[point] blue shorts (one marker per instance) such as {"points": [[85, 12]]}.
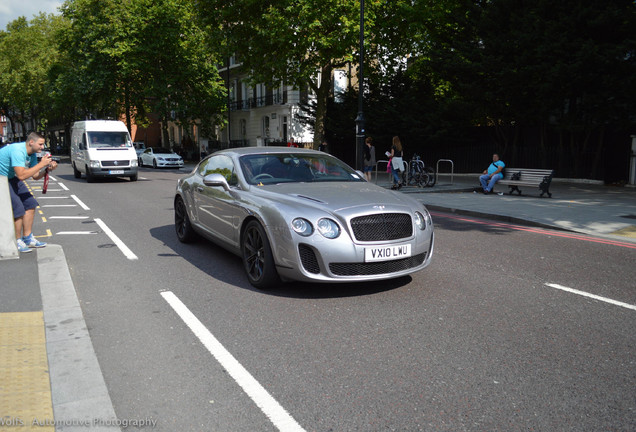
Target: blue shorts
{"points": [[21, 198], [368, 168]]}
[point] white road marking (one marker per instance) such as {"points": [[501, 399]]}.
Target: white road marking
{"points": [[52, 197], [59, 205], [63, 186], [77, 200], [120, 244], [75, 232], [68, 217], [593, 296], [281, 419]]}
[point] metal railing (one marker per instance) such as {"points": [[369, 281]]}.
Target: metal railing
{"points": [[406, 168], [452, 168], [261, 101]]}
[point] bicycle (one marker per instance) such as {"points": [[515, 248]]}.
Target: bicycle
{"points": [[419, 174]]}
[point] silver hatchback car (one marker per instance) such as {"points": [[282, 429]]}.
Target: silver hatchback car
{"points": [[298, 214]]}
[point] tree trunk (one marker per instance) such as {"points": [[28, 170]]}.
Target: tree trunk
{"points": [[127, 108], [599, 154], [164, 132], [322, 95]]}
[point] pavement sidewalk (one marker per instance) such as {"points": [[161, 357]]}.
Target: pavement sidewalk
{"points": [[576, 205], [49, 371]]}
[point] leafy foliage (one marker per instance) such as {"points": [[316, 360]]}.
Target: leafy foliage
{"points": [[27, 52], [299, 42]]}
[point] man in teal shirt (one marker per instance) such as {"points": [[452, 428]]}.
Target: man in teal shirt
{"points": [[492, 175], [19, 162]]}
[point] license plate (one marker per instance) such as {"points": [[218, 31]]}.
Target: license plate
{"points": [[116, 172], [387, 253]]}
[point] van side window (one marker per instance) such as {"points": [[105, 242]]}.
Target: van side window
{"points": [[83, 144]]}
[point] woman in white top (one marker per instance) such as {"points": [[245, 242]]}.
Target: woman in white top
{"points": [[397, 164]]}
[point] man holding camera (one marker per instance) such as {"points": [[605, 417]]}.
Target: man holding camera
{"points": [[19, 162]]}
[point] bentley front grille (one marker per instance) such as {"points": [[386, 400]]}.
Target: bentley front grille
{"points": [[382, 226], [376, 268]]}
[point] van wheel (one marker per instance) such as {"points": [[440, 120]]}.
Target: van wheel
{"points": [[90, 178], [76, 172], [133, 177]]}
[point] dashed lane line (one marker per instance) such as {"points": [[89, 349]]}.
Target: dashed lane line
{"points": [[589, 295], [81, 204], [120, 244]]}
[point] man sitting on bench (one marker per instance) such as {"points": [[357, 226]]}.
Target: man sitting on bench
{"points": [[492, 175]]}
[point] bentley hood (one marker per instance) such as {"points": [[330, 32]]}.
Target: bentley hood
{"points": [[336, 196]]}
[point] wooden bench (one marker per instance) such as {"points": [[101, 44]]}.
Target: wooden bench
{"points": [[515, 177]]}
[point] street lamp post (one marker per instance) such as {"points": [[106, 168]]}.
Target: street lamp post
{"points": [[360, 126]]}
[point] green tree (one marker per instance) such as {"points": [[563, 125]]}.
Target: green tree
{"points": [[95, 26], [139, 56], [298, 42], [174, 64], [569, 65], [27, 52]]}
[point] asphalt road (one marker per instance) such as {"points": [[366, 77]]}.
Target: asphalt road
{"points": [[478, 341]]}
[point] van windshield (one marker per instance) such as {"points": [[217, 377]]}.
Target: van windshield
{"points": [[108, 139]]}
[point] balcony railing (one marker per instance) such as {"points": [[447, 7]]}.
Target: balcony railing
{"points": [[267, 100]]}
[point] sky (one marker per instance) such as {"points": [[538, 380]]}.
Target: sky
{"points": [[12, 9]]}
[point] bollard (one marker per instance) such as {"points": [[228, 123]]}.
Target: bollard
{"points": [[8, 247], [632, 163]]}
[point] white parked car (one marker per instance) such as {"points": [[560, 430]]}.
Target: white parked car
{"points": [[158, 157], [139, 147]]}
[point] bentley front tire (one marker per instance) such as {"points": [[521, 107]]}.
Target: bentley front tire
{"points": [[183, 228], [258, 260]]}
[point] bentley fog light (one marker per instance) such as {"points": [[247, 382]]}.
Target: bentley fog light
{"points": [[302, 227], [328, 228]]}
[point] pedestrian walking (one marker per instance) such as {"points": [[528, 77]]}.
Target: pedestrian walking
{"points": [[369, 158], [397, 163]]}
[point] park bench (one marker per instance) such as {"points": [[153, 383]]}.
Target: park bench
{"points": [[515, 177]]}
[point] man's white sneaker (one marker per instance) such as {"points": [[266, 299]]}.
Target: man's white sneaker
{"points": [[32, 242], [22, 247]]}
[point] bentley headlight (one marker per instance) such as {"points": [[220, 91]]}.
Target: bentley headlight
{"points": [[328, 228], [419, 221], [427, 217], [302, 227]]}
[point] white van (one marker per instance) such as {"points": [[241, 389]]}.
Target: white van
{"points": [[102, 148]]}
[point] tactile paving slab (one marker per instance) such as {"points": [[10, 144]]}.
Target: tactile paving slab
{"points": [[25, 388]]}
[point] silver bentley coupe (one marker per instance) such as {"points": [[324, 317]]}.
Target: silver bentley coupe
{"points": [[303, 215]]}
